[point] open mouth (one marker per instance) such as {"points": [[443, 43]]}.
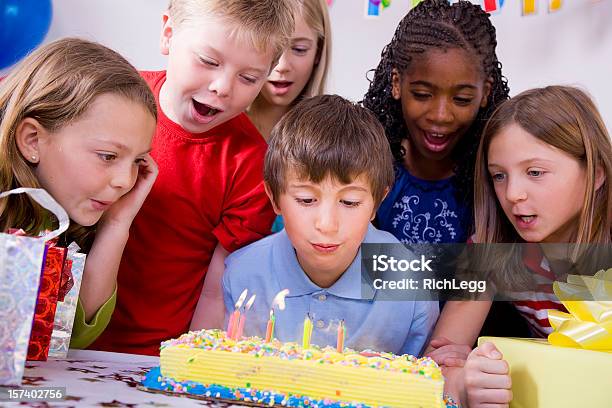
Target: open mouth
{"points": [[525, 221], [205, 110], [281, 84], [280, 88], [437, 141]]}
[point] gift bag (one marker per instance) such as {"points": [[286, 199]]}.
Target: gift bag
{"points": [[21, 263], [67, 302], [46, 303]]}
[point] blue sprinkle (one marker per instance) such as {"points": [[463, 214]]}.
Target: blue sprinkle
{"points": [[154, 380]]}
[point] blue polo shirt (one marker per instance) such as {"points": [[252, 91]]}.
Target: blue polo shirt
{"points": [[270, 265]]}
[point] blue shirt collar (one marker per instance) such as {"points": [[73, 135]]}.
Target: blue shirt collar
{"points": [[290, 274]]}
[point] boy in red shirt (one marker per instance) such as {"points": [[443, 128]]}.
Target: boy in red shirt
{"points": [[209, 198]]}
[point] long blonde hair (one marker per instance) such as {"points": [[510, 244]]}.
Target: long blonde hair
{"points": [[55, 85], [316, 16], [563, 117]]}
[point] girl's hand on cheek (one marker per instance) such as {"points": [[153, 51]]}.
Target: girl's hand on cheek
{"points": [[125, 209], [487, 379]]}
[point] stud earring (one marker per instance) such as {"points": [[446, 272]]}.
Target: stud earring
{"points": [[33, 157]]}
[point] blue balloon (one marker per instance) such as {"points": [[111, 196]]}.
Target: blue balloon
{"points": [[23, 25]]}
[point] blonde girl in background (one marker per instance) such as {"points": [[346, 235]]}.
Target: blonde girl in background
{"points": [[77, 120], [301, 71]]}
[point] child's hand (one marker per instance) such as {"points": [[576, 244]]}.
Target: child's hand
{"points": [[453, 384], [124, 210], [487, 379], [446, 353]]}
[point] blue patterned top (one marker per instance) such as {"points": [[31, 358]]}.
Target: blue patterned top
{"points": [[422, 211]]}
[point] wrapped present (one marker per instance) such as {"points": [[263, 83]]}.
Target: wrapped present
{"points": [[574, 367], [66, 308], [21, 262], [46, 303], [548, 376]]}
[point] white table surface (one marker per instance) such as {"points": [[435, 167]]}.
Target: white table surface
{"points": [[101, 379]]}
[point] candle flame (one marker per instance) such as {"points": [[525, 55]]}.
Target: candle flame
{"points": [[250, 303], [279, 299], [240, 301]]}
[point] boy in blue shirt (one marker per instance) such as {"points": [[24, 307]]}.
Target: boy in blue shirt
{"points": [[327, 168]]}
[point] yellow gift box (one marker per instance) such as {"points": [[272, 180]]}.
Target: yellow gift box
{"points": [[547, 376], [574, 368]]}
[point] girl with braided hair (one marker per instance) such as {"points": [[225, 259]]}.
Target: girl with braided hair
{"points": [[436, 85]]}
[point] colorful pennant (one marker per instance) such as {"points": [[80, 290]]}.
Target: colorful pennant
{"points": [[529, 7], [493, 5], [554, 5], [373, 7]]}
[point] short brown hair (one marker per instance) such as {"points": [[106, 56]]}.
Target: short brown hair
{"points": [[267, 24], [329, 136]]}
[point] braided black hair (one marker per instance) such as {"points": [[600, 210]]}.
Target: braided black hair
{"points": [[436, 24]]}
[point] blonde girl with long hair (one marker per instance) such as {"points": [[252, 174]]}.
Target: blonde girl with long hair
{"points": [[301, 71], [542, 176], [77, 120]]}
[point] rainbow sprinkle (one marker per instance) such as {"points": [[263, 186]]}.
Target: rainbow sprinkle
{"points": [[217, 340], [154, 380]]}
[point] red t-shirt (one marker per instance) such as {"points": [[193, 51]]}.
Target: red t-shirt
{"points": [[209, 189]]}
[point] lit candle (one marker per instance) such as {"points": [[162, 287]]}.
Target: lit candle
{"points": [[242, 319], [238, 332], [235, 316], [341, 336], [279, 299], [230, 325], [307, 332], [270, 327]]}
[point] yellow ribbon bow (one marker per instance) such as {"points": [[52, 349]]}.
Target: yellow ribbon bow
{"points": [[588, 324]]}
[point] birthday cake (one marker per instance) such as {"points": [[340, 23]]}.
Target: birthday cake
{"points": [[209, 364]]}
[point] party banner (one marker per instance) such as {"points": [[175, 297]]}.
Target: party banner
{"points": [[493, 5], [373, 7], [528, 7]]}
